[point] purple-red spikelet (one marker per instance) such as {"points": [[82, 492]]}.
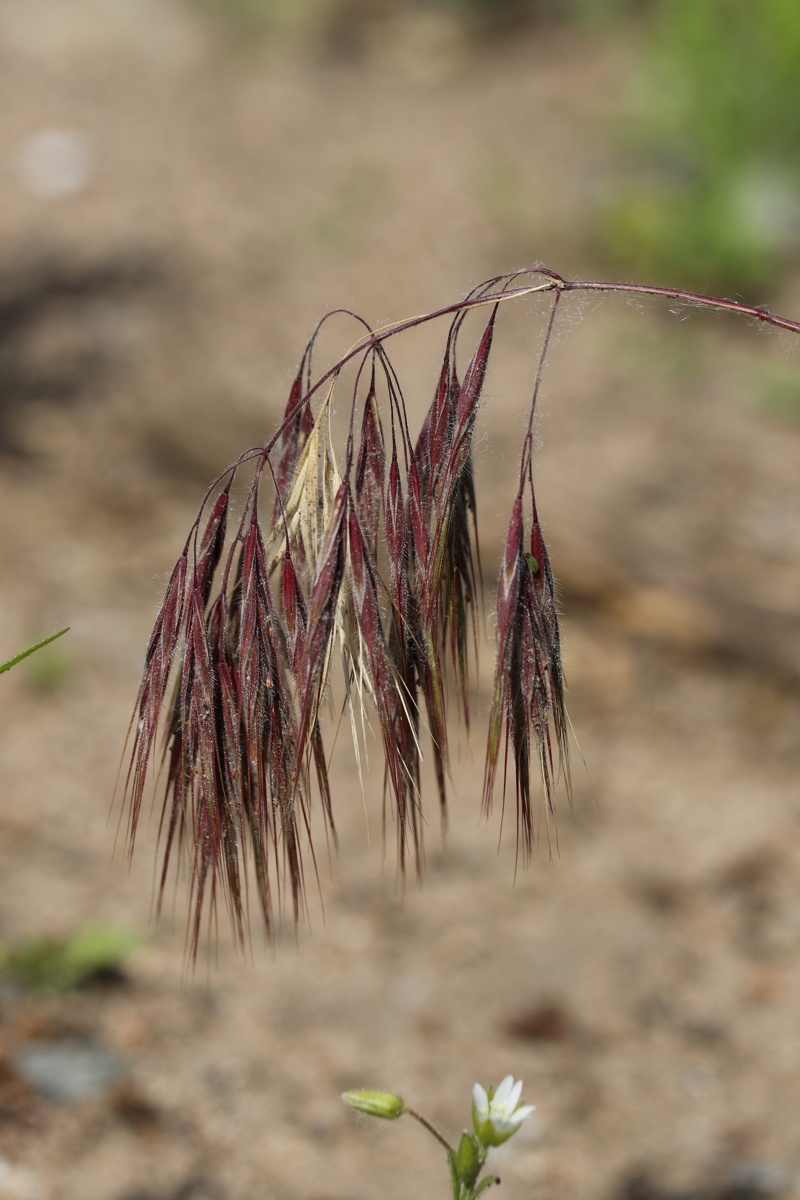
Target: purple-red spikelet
{"points": [[370, 472], [528, 690], [397, 733], [297, 424]]}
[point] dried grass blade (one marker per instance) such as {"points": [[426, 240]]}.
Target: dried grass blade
{"points": [[323, 607], [307, 509]]}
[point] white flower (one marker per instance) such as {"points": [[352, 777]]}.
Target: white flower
{"points": [[498, 1114]]}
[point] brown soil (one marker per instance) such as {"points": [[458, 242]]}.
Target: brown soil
{"points": [[646, 982]]}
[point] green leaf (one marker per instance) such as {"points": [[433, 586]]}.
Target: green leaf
{"points": [[12, 662]]}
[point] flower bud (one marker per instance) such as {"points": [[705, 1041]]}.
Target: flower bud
{"points": [[469, 1159], [376, 1104]]}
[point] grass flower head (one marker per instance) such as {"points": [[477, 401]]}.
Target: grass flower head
{"points": [[363, 554]]}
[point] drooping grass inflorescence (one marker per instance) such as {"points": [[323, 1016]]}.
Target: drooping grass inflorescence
{"points": [[372, 561]]}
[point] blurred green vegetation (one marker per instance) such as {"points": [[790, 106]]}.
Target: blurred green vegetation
{"points": [[500, 13], [706, 191], [711, 194], [89, 956], [272, 14], [262, 15]]}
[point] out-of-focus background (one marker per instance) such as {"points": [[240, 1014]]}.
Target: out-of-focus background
{"points": [[187, 185]]}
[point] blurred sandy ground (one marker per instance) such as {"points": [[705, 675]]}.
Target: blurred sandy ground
{"points": [[179, 206]]}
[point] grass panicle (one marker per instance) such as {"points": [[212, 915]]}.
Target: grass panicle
{"points": [[379, 558]]}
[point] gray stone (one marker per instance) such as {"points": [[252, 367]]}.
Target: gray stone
{"points": [[69, 1071]]}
